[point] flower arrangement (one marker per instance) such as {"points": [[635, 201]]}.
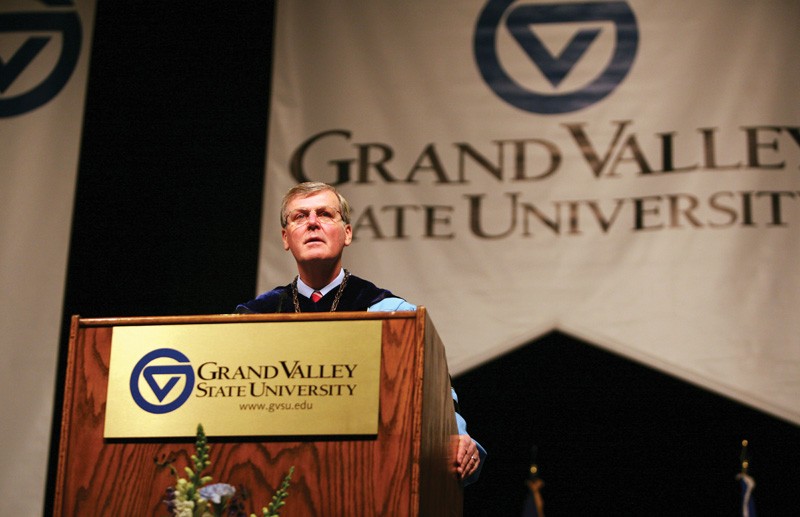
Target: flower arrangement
{"points": [[193, 496]]}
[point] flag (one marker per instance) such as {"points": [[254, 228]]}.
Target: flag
{"points": [[747, 485]]}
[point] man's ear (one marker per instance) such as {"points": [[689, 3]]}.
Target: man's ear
{"points": [[283, 238], [348, 234]]}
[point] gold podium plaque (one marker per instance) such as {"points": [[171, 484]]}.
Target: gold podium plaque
{"points": [[244, 379]]}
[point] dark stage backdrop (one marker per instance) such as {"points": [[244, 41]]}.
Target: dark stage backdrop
{"points": [[166, 222]]}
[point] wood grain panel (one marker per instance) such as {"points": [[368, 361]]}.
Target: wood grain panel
{"points": [[389, 474]]}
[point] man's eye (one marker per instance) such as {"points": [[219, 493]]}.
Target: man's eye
{"points": [[324, 213], [299, 216]]}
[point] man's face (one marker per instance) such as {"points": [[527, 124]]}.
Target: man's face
{"points": [[312, 239]]}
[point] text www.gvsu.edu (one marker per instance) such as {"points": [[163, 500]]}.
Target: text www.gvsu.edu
{"points": [[271, 407]]}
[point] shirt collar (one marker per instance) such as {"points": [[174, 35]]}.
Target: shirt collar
{"points": [[306, 291]]}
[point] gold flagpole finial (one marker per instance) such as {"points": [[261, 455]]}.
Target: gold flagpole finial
{"points": [[744, 459]]}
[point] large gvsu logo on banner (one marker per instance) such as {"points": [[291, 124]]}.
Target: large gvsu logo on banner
{"points": [[40, 29], [521, 23]]}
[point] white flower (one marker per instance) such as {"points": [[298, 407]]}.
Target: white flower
{"points": [[217, 492], [184, 509]]}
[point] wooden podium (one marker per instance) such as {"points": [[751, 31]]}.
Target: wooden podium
{"points": [[405, 470]]}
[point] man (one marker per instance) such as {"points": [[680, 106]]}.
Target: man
{"points": [[315, 221]]}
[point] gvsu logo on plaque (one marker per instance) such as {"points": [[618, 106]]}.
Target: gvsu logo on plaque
{"points": [[162, 381]]}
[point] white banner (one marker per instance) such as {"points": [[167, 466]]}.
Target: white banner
{"points": [[625, 172], [44, 57]]}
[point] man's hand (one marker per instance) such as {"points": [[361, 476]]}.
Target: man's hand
{"points": [[467, 457]]}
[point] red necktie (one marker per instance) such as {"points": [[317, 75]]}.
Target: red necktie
{"points": [[315, 296]]}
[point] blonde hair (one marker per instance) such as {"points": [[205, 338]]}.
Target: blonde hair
{"points": [[312, 187]]}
